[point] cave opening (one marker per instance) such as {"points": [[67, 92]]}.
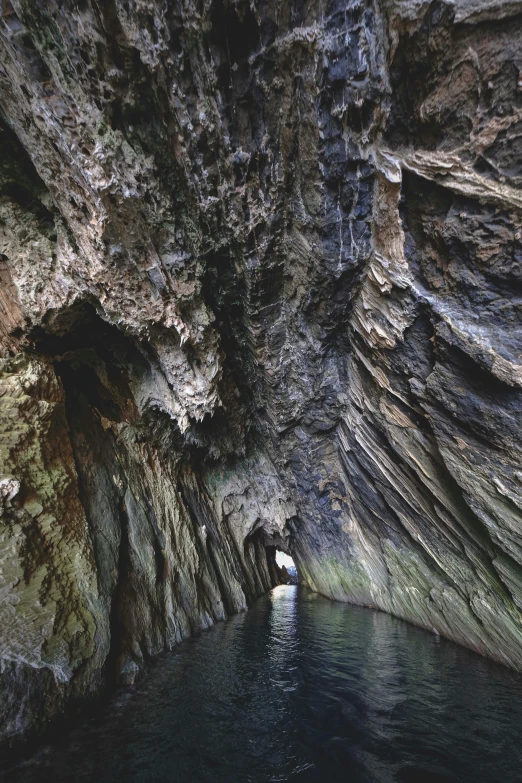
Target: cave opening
{"points": [[287, 567]]}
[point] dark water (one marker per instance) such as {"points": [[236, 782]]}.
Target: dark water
{"points": [[302, 689]]}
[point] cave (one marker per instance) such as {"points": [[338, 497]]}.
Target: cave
{"points": [[287, 570], [260, 318]]}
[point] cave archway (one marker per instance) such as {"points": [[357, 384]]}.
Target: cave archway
{"points": [[287, 568]]}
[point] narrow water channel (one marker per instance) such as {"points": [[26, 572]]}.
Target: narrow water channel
{"points": [[301, 689]]}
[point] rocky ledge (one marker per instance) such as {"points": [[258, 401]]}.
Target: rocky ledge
{"points": [[261, 286]]}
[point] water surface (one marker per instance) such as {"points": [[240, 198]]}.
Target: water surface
{"points": [[302, 689]]}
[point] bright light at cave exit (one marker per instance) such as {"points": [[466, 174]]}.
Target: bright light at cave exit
{"points": [[284, 560]]}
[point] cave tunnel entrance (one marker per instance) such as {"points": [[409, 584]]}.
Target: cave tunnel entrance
{"points": [[287, 568]]}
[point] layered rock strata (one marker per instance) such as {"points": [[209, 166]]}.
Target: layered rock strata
{"points": [[261, 286]]}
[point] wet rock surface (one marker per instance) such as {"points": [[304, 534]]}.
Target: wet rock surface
{"points": [[260, 270]]}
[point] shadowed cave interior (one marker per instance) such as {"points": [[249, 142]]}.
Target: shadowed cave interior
{"points": [[260, 292]]}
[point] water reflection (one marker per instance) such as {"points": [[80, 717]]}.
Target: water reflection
{"points": [[302, 689]]}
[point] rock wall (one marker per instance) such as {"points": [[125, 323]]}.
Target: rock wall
{"points": [[261, 275]]}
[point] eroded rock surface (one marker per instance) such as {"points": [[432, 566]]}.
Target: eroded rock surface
{"points": [[261, 286]]}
